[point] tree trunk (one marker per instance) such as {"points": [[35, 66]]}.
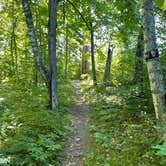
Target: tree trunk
{"points": [[12, 42], [153, 65], [106, 78], [66, 52], [13, 49], [52, 52], [12, 55], [15, 52], [66, 39], [139, 57], [93, 57], [85, 66], [33, 39], [85, 57], [92, 47]]}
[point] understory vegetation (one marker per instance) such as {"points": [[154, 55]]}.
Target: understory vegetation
{"points": [[122, 127], [31, 134], [114, 49]]}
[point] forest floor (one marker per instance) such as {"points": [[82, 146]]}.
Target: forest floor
{"points": [[122, 127], [74, 153], [94, 126]]}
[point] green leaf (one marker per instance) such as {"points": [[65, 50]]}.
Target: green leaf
{"points": [[164, 5], [57, 147], [160, 3], [107, 164]]}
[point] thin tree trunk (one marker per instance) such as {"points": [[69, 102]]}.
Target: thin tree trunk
{"points": [[93, 56], [52, 51], [92, 47], [154, 66], [37, 27], [66, 39], [66, 52], [106, 78], [33, 39], [15, 52], [12, 54], [139, 57], [15, 39], [12, 47], [90, 28]]}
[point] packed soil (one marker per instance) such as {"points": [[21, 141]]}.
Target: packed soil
{"points": [[77, 142]]}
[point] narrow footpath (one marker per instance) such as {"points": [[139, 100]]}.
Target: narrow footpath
{"points": [[77, 143]]}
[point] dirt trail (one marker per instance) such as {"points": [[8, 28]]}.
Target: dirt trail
{"points": [[76, 145]]}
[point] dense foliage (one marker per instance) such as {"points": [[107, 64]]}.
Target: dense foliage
{"points": [[120, 131], [30, 133], [85, 35]]}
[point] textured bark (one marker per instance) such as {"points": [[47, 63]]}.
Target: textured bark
{"points": [[139, 57], [66, 39], [13, 42], [37, 26], [153, 64], [15, 39], [91, 28], [15, 52], [12, 54], [85, 66], [93, 57], [13, 49], [85, 63], [108, 65], [52, 52], [66, 51], [33, 39]]}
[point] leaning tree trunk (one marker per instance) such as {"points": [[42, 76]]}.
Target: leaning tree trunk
{"points": [[106, 78], [52, 52], [139, 57], [154, 66], [33, 39], [49, 79]]}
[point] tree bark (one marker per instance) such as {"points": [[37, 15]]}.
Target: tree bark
{"points": [[106, 78], [91, 28], [15, 52], [139, 57], [12, 55], [66, 39], [93, 56], [52, 52], [85, 63], [33, 39], [66, 51], [154, 66], [12, 42]]}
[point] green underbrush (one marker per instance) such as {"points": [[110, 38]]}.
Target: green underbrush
{"points": [[122, 127], [31, 134]]}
